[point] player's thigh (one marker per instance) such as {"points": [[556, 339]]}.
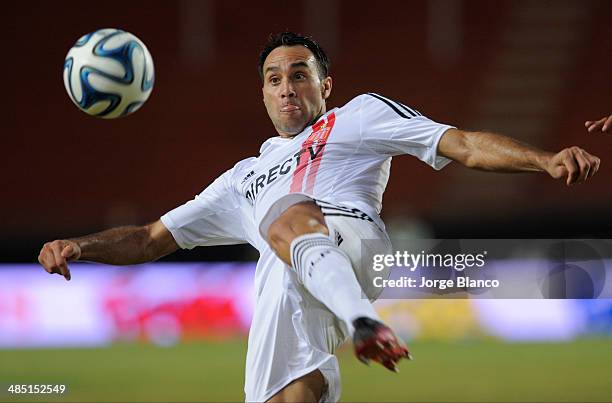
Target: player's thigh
{"points": [[308, 388]]}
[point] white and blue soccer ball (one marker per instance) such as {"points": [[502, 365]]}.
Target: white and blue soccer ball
{"points": [[109, 73]]}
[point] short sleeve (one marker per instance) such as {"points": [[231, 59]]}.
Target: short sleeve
{"points": [[212, 218], [390, 128]]}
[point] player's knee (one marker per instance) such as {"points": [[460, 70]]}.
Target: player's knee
{"points": [[277, 233], [299, 219]]}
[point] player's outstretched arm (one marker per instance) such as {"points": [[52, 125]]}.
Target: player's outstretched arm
{"points": [[117, 246], [604, 124], [495, 152]]}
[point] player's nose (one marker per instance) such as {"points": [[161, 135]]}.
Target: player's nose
{"points": [[287, 89]]}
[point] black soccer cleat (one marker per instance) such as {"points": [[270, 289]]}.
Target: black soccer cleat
{"points": [[373, 340]]}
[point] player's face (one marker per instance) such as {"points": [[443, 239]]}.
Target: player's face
{"points": [[293, 92]]}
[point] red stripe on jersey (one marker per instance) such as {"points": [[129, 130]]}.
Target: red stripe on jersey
{"points": [[314, 165], [304, 158]]}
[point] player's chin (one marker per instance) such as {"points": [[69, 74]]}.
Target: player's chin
{"points": [[293, 126]]}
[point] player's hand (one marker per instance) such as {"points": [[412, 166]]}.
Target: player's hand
{"points": [[605, 124], [54, 256], [574, 164]]}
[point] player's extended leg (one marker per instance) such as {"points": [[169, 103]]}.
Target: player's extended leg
{"points": [[300, 237], [308, 388]]}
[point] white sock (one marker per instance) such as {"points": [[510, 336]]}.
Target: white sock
{"points": [[326, 272]]}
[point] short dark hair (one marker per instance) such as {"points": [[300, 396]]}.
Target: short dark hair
{"points": [[293, 39]]}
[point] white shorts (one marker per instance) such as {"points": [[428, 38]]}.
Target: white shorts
{"points": [[292, 333]]}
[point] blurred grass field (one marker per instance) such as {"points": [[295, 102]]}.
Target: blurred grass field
{"points": [[453, 372]]}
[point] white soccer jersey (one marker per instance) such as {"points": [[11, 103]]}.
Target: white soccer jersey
{"points": [[343, 159]]}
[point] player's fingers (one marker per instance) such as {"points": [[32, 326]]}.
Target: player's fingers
{"points": [[584, 166], [45, 258], [591, 127], [595, 161], [571, 167], [60, 262], [67, 276], [41, 258], [607, 124], [67, 251], [70, 252], [594, 125]]}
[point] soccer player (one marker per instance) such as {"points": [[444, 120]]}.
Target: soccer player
{"points": [[306, 202]]}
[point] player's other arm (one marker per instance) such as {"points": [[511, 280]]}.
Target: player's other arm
{"points": [[116, 246], [495, 152]]}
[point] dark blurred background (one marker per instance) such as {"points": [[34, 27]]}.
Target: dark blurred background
{"points": [[535, 70]]}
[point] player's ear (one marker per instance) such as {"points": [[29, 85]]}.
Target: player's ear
{"points": [[326, 87]]}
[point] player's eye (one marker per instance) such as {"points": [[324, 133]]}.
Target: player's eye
{"points": [[274, 80], [300, 76]]}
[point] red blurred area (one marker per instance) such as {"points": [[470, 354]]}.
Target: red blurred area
{"points": [[189, 318]]}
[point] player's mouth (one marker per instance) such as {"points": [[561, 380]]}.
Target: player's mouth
{"points": [[289, 108]]}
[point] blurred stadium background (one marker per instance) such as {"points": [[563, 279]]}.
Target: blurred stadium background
{"points": [[175, 330]]}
